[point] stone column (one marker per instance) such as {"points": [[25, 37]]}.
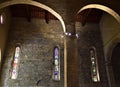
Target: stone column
{"points": [[71, 58]]}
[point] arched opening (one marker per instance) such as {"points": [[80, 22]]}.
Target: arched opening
{"points": [[95, 27], [115, 62], [34, 3], [94, 65], [31, 25], [103, 8]]}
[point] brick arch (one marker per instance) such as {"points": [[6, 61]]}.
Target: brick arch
{"points": [[103, 8], [34, 3]]}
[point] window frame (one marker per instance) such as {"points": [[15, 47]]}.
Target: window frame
{"points": [[15, 63], [56, 63], [94, 69]]}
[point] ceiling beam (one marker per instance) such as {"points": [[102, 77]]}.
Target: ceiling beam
{"points": [[46, 16]]}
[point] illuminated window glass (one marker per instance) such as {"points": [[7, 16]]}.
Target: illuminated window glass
{"points": [[14, 72], [56, 72], [1, 19], [94, 65]]}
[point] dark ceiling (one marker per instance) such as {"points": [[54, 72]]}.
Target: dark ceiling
{"points": [[29, 12], [89, 15]]}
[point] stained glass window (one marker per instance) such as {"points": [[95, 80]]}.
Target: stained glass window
{"points": [[56, 72], [94, 65], [14, 72]]}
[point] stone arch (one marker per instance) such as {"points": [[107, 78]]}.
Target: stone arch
{"points": [[103, 8], [114, 14], [37, 4], [34, 3]]}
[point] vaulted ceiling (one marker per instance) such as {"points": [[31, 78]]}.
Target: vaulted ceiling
{"points": [[29, 12]]}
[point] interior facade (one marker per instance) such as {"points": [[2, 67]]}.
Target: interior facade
{"points": [[64, 43]]}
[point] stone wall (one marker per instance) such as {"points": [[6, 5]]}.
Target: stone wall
{"points": [[37, 39], [89, 36], [4, 28], [110, 30]]}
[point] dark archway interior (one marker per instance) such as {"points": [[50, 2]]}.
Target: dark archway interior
{"points": [[115, 60]]}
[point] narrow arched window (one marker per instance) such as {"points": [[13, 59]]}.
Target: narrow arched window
{"points": [[94, 65], [1, 19], [15, 63], [56, 70]]}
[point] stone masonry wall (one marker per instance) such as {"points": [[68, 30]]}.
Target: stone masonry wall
{"points": [[89, 36], [37, 39]]}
